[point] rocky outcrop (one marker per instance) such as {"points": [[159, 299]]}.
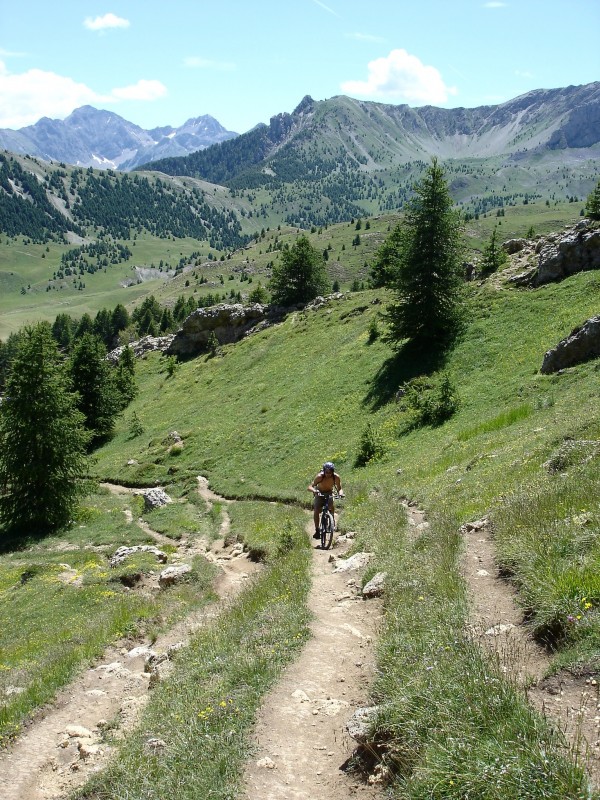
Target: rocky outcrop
{"points": [[229, 323], [547, 259], [142, 346], [580, 345], [561, 255], [154, 498]]}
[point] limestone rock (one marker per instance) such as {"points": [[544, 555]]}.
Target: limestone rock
{"points": [[575, 251], [155, 498], [143, 346], [173, 575], [356, 561], [122, 553], [580, 345], [229, 323], [376, 586], [360, 722]]}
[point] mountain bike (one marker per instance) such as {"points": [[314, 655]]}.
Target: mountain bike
{"points": [[326, 523]]}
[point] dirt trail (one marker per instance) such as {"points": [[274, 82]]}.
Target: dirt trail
{"points": [[572, 703], [64, 744], [301, 739]]}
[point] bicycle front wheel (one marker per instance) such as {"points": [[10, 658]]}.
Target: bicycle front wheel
{"points": [[327, 526]]}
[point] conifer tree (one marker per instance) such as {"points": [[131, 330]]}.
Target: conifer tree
{"points": [[94, 383], [428, 272], [494, 256], [125, 377], [592, 205], [42, 440], [300, 276]]}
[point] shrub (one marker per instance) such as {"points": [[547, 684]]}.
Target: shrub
{"points": [[429, 401], [371, 446]]}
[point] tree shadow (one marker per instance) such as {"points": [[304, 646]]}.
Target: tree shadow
{"points": [[406, 363]]}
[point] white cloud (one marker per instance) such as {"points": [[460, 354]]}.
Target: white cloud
{"points": [[331, 11], [402, 76], [107, 21], [365, 37], [142, 90], [197, 62], [524, 74], [33, 94]]}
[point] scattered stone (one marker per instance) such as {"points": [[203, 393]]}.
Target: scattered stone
{"points": [[301, 696], [356, 561], [122, 553], [476, 526], [14, 690], [482, 573], [86, 750], [360, 722], [78, 732], [132, 462], [266, 763], [376, 586], [512, 246], [154, 746], [498, 630], [173, 575], [144, 651]]}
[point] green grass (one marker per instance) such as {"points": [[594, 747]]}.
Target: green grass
{"points": [[261, 419], [65, 605]]}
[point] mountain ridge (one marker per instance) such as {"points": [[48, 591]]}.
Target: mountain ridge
{"points": [[104, 140]]}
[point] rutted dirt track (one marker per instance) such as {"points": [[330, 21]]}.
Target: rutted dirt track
{"points": [[301, 739], [64, 743], [569, 702]]}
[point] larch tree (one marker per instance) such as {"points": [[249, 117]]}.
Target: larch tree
{"points": [[43, 464], [428, 273], [300, 276]]}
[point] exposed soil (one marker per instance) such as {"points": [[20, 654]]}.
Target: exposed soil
{"points": [[569, 702], [301, 739], [64, 743]]}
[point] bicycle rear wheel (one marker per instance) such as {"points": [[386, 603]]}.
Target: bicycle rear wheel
{"points": [[327, 526]]}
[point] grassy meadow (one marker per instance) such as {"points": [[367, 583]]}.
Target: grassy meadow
{"points": [[258, 420], [26, 268]]}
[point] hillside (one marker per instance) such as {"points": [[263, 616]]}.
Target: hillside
{"points": [[258, 420]]}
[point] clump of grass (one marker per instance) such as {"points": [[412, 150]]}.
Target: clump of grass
{"points": [[498, 422], [267, 530]]}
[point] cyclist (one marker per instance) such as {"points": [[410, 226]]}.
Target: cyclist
{"points": [[323, 484]]}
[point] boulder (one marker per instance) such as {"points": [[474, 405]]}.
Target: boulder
{"points": [[580, 345], [155, 498], [576, 250], [357, 561], [229, 323], [512, 246], [375, 587], [173, 575]]}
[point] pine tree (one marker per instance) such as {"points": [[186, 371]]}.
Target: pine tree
{"points": [[494, 256], [42, 440], [592, 205], [300, 276], [428, 272], [125, 377], [94, 383]]}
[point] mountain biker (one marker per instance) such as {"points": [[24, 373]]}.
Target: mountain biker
{"points": [[323, 484]]}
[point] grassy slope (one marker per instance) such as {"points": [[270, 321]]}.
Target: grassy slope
{"points": [[260, 420], [23, 265]]}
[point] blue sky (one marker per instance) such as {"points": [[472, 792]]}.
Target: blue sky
{"points": [[160, 63]]}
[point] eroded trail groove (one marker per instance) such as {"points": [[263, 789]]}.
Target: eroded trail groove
{"points": [[568, 701], [64, 744], [301, 739]]}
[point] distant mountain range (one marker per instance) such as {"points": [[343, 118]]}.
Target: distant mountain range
{"points": [[374, 136], [364, 135], [103, 140]]}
